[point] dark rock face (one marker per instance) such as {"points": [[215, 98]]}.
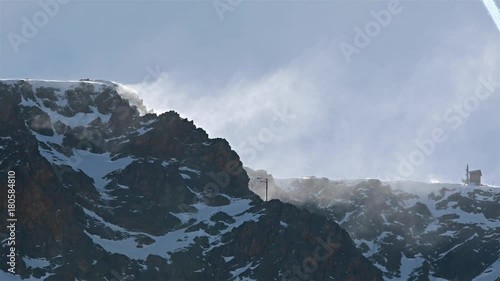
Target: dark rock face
{"points": [[105, 193], [409, 230]]}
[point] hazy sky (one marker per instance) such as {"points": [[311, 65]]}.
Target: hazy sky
{"points": [[292, 85]]}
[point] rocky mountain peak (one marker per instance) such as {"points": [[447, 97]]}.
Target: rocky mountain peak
{"points": [[107, 190]]}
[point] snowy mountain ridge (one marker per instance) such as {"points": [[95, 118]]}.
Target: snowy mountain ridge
{"points": [[409, 230], [62, 86]]}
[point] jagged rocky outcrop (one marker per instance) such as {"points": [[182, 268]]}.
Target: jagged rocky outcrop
{"points": [[106, 191], [410, 230]]}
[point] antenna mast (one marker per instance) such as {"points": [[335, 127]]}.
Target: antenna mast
{"points": [[467, 175]]}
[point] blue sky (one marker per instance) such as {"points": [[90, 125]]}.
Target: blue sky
{"points": [[236, 73]]}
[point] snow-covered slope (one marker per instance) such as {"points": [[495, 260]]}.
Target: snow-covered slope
{"points": [[409, 230]]}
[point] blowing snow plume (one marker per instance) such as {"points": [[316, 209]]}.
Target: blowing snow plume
{"points": [[310, 115]]}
